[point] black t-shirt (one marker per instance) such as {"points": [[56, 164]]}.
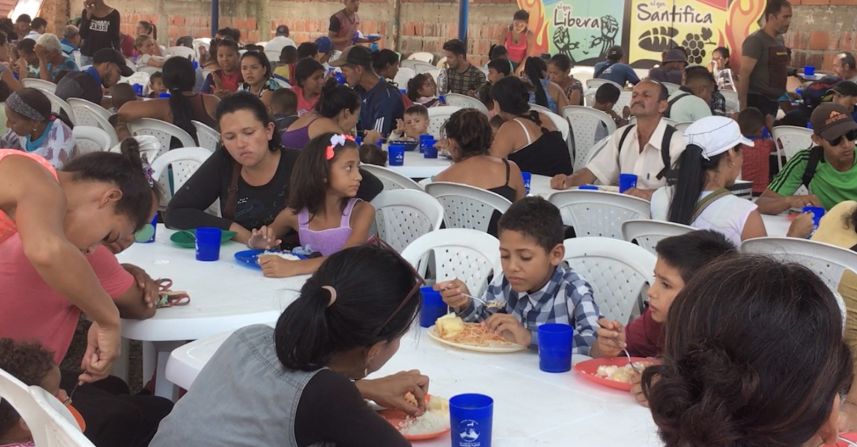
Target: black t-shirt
{"points": [[255, 205], [99, 32]]}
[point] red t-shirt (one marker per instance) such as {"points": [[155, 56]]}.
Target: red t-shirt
{"points": [[645, 336], [30, 310]]}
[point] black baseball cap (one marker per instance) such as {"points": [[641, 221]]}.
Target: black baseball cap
{"points": [[845, 88], [354, 55], [113, 56]]}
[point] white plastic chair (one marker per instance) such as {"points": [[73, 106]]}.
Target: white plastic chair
{"points": [[422, 67], [40, 84], [624, 100], [466, 206], [468, 255], [790, 140], [598, 82], [162, 130], [403, 215], [184, 161], [202, 42], [187, 360], [584, 123], [390, 178], [90, 114], [558, 121], [90, 139], [617, 270], [58, 105], [466, 102], [826, 260], [438, 116], [599, 213], [422, 56], [184, 52], [50, 426], [208, 137], [404, 75], [648, 233], [140, 77], [732, 102]]}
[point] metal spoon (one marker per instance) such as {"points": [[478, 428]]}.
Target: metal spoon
{"points": [[636, 369]]}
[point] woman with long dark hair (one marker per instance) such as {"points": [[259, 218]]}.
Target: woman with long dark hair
{"points": [[527, 137], [180, 108], [754, 356], [258, 76], [337, 111], [545, 93]]}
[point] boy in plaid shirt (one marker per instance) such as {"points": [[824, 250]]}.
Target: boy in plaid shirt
{"points": [[537, 286]]}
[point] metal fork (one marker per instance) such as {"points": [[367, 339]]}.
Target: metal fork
{"points": [[848, 442], [497, 304]]}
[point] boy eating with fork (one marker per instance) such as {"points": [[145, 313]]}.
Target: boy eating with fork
{"points": [[536, 285]]}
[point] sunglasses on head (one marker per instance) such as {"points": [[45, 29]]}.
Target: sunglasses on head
{"points": [[415, 290], [851, 135]]}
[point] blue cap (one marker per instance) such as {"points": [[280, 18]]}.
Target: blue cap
{"points": [[324, 44]]}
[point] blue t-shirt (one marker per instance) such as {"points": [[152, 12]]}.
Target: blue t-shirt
{"points": [[381, 107], [616, 72]]}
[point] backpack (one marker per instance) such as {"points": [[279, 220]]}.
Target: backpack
{"points": [[667, 171], [816, 154], [671, 102]]}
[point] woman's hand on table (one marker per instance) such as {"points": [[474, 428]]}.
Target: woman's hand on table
{"points": [[560, 181], [145, 283], [508, 327], [274, 266], [610, 339], [390, 391], [263, 238], [801, 226], [454, 293]]}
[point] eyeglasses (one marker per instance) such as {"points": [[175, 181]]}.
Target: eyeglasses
{"points": [[414, 292], [851, 136]]}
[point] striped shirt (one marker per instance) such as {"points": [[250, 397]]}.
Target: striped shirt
{"points": [[566, 298], [831, 186]]}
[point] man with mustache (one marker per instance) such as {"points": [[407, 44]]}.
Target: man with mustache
{"points": [[649, 148]]}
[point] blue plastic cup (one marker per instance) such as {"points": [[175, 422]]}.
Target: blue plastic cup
{"points": [[138, 89], [147, 233], [207, 244], [396, 153], [433, 307], [430, 151], [426, 140], [809, 70], [817, 214], [627, 181], [470, 420], [528, 179], [555, 341]]}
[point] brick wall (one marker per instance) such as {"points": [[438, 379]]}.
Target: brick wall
{"points": [[820, 29]]}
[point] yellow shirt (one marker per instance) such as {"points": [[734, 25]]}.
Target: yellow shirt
{"points": [[282, 71]]}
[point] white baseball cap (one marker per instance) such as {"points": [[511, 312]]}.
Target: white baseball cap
{"points": [[715, 135]]}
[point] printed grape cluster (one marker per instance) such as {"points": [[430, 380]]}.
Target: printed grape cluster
{"points": [[695, 45]]}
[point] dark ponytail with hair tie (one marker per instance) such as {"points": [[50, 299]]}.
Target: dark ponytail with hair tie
{"points": [[692, 168]]}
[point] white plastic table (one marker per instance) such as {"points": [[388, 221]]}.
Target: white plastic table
{"points": [[417, 166], [530, 407], [540, 185], [224, 296]]}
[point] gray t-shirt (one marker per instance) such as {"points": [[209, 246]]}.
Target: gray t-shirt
{"points": [[769, 75]]}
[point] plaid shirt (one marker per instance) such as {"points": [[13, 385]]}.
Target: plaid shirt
{"points": [[464, 83], [566, 298]]}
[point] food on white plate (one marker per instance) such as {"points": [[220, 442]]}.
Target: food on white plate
{"points": [[624, 374], [434, 420], [449, 325], [282, 254], [453, 328]]}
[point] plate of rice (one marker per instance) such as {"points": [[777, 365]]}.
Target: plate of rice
{"points": [[613, 372], [432, 424]]}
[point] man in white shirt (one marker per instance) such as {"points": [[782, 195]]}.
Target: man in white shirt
{"points": [[692, 101], [641, 152], [280, 40], [845, 66]]}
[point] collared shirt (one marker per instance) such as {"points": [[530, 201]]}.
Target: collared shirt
{"points": [[646, 163], [464, 83], [68, 47], [566, 298], [381, 107]]}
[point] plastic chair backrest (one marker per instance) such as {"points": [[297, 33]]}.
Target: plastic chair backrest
{"points": [[584, 123], [58, 425], [792, 139], [59, 105], [184, 52], [438, 116], [404, 75], [466, 102], [390, 178], [648, 233], [558, 121], [468, 255], [162, 130], [90, 114], [40, 84], [598, 82], [208, 137], [466, 206], [403, 215], [90, 139], [599, 213], [184, 161], [617, 271], [422, 56]]}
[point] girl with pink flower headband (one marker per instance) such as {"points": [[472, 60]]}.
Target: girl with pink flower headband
{"points": [[322, 207]]}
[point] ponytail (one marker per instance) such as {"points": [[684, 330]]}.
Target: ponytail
{"points": [[179, 78], [359, 296], [691, 180], [534, 69]]}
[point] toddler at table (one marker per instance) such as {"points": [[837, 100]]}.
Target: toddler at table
{"points": [[323, 207], [414, 124], [536, 285]]}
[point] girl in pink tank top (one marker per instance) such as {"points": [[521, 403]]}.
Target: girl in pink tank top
{"points": [[322, 208]]}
